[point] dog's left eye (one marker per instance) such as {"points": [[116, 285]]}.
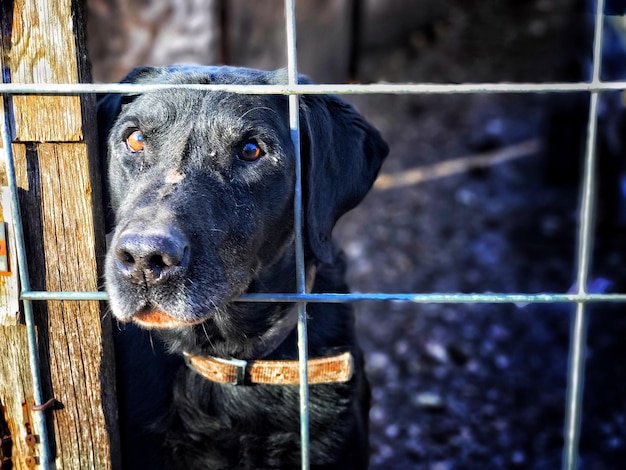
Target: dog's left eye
{"points": [[250, 151], [134, 141]]}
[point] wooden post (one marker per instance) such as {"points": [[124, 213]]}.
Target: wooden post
{"points": [[56, 162]]}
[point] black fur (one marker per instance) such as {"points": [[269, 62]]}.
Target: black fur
{"points": [[195, 227]]}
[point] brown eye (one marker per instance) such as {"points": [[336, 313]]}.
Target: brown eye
{"points": [[250, 152], [134, 141]]}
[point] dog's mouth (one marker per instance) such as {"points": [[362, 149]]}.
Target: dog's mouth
{"points": [[151, 318]]}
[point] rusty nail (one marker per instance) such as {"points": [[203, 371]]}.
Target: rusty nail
{"points": [[31, 461], [52, 403]]}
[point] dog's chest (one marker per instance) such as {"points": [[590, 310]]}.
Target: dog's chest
{"points": [[257, 425]]}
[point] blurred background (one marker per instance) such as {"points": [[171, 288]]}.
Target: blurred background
{"points": [[480, 193]]}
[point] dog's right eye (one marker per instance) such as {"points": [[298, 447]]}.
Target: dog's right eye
{"points": [[134, 142]]}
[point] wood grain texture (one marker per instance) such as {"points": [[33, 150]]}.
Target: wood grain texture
{"points": [[16, 391], [62, 252], [43, 50]]}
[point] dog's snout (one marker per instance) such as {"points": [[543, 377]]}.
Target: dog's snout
{"points": [[151, 258]]}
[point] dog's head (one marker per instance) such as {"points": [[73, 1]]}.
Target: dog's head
{"points": [[202, 187]]}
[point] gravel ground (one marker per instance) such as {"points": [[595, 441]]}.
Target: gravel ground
{"points": [[480, 386]]}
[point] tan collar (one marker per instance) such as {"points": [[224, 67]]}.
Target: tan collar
{"points": [[332, 369]]}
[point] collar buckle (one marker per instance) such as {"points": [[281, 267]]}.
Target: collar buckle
{"points": [[240, 365]]}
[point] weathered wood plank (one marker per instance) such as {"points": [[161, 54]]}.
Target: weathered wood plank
{"points": [[43, 50], [16, 391], [70, 265], [57, 212]]}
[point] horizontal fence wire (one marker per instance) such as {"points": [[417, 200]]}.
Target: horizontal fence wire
{"points": [[579, 298], [315, 89], [426, 298]]}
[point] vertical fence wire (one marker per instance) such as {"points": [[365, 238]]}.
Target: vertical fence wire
{"points": [[39, 416], [294, 123], [578, 337]]}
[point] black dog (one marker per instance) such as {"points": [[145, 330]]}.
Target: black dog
{"points": [[202, 187]]}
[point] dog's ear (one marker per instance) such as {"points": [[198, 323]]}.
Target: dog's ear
{"points": [[342, 154]]}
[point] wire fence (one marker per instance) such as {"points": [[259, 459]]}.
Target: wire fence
{"points": [[580, 298]]}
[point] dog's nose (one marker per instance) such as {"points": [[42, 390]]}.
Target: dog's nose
{"points": [[151, 258]]}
